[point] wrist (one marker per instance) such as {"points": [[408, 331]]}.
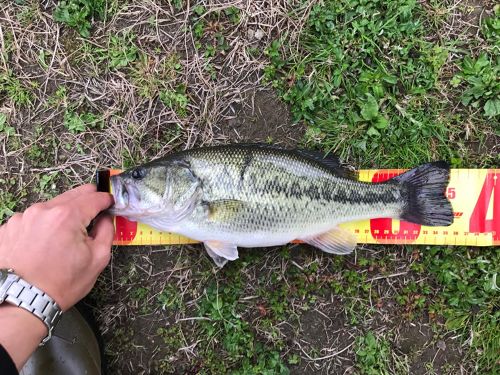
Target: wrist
{"points": [[29, 321], [21, 332], [20, 293]]}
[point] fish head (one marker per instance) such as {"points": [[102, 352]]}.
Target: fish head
{"points": [[166, 192]]}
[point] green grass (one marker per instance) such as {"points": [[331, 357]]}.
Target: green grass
{"points": [[121, 51], [173, 339], [150, 77], [372, 355], [491, 29], [5, 128], [15, 90], [118, 52], [242, 352], [8, 200], [469, 298], [59, 97], [208, 30], [367, 81], [47, 186], [480, 77], [81, 122], [122, 338], [28, 14], [169, 299], [79, 14], [175, 99]]}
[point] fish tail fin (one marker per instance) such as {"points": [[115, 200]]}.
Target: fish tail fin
{"points": [[426, 200]]}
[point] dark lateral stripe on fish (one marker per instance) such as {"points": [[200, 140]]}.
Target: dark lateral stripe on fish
{"points": [[246, 163]]}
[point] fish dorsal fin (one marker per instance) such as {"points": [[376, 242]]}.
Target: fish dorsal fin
{"points": [[332, 162], [335, 241], [221, 252]]}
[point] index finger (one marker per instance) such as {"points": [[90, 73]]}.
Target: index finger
{"points": [[89, 205], [71, 194]]}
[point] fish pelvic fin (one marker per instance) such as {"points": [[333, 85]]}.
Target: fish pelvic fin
{"points": [[221, 252], [335, 241], [426, 200]]}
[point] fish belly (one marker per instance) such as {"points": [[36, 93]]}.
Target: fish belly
{"points": [[255, 239]]}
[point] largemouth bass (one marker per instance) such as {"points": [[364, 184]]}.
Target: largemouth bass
{"points": [[259, 195]]}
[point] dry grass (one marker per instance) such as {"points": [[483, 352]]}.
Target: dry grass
{"points": [[137, 127]]}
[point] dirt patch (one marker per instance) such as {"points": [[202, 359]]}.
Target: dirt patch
{"points": [[262, 117], [317, 327], [140, 329], [426, 351], [489, 146], [324, 337], [473, 12], [438, 358], [413, 337]]}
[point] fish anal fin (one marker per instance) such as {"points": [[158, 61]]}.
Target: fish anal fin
{"points": [[221, 252], [335, 241]]}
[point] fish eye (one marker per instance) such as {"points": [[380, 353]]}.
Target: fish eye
{"points": [[139, 173]]}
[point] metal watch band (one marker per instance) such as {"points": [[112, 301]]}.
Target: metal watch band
{"points": [[22, 294]]}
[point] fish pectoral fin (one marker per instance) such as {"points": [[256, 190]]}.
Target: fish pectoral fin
{"points": [[224, 209], [336, 241], [221, 252]]}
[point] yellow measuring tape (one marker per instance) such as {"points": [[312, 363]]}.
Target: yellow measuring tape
{"points": [[474, 194]]}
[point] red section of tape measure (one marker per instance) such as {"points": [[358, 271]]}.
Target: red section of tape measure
{"points": [[478, 222], [125, 231]]}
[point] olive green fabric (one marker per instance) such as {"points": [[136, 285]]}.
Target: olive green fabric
{"points": [[73, 349]]}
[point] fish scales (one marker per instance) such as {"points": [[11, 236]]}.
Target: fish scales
{"points": [[282, 192]]}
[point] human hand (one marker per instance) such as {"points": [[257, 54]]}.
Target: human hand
{"points": [[49, 247]]}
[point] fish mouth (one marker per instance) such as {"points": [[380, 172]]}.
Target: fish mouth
{"points": [[121, 194], [128, 200]]}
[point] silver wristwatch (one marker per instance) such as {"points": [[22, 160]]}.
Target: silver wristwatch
{"points": [[18, 292]]}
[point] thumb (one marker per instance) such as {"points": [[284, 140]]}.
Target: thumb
{"points": [[102, 235]]}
